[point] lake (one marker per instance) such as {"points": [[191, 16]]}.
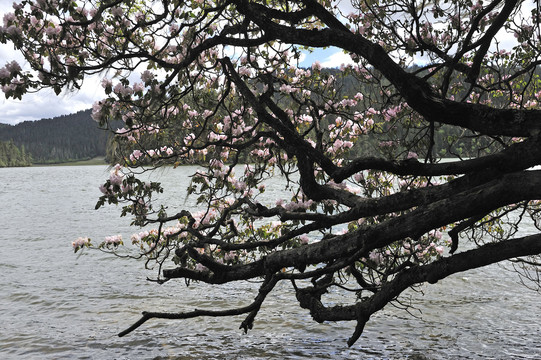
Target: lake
{"points": [[57, 305]]}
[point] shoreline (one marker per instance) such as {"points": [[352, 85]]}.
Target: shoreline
{"points": [[98, 160]]}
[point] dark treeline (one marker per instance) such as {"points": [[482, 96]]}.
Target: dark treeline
{"points": [[61, 139]]}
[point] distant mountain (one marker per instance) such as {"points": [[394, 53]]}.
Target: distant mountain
{"points": [[61, 139]]}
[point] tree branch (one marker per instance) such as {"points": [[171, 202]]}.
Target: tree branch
{"points": [[508, 189], [486, 40], [417, 92], [516, 157], [431, 273], [247, 324]]}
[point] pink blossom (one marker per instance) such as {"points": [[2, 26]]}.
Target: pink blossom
{"points": [[96, 111], [113, 240], [51, 31], [4, 73], [201, 268], [80, 242], [286, 88], [116, 175], [136, 154], [229, 256], [105, 83], [276, 224], [116, 179], [13, 67], [376, 257], [412, 155], [8, 17], [386, 143], [372, 111], [117, 11], [104, 190], [245, 71], [122, 90], [147, 76], [358, 177], [125, 189], [389, 114], [348, 102], [138, 87]]}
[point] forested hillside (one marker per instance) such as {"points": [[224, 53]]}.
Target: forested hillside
{"points": [[61, 139]]}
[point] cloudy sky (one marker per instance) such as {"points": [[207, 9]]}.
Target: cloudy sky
{"points": [[44, 104]]}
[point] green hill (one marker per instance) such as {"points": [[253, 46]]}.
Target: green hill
{"points": [[61, 139]]}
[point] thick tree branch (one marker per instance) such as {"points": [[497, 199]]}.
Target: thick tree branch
{"points": [[518, 156], [486, 40], [508, 189]]}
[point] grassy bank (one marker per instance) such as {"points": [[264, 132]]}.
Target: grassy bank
{"points": [[100, 160]]}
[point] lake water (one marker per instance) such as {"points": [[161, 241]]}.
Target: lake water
{"points": [[56, 305]]}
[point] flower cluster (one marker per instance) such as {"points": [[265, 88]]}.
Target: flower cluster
{"points": [[80, 243], [113, 240]]}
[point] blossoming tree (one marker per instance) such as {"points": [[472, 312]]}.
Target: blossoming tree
{"points": [[371, 206]]}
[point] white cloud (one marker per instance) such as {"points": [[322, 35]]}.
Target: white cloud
{"points": [[337, 59], [331, 57], [346, 7], [44, 104]]}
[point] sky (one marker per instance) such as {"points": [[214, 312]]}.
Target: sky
{"points": [[46, 104]]}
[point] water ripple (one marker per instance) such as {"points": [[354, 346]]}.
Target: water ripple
{"points": [[59, 306]]}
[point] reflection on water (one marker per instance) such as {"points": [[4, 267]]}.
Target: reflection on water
{"points": [[59, 306]]}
